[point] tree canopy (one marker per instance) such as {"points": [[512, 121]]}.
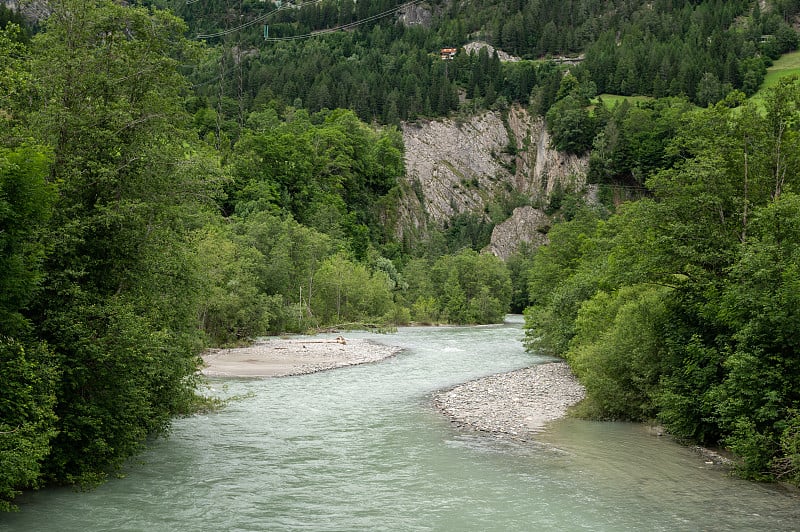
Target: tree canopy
{"points": [[679, 308]]}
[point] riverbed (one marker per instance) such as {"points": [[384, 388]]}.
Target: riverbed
{"points": [[364, 448]]}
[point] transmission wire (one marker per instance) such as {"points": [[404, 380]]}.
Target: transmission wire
{"points": [[263, 17], [344, 26]]}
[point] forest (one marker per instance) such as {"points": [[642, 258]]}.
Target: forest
{"points": [[161, 193]]}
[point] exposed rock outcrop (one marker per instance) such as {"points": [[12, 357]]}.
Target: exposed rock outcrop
{"points": [[458, 166], [415, 15], [33, 10], [526, 225], [475, 46]]}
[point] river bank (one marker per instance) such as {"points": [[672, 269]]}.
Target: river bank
{"points": [[281, 357], [518, 403]]}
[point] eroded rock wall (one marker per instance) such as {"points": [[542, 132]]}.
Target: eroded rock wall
{"points": [[526, 225], [458, 166]]}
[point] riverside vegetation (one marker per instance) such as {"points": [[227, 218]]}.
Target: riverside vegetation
{"points": [[158, 195]]}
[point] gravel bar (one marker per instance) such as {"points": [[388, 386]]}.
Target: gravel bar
{"points": [[277, 357], [519, 403]]}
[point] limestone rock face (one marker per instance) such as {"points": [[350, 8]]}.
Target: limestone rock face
{"points": [[526, 225], [475, 46], [32, 10], [415, 15], [456, 166]]}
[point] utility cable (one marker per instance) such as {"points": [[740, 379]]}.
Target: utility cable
{"points": [[345, 26], [263, 17], [253, 22]]}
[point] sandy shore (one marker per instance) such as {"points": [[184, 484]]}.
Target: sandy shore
{"points": [[277, 357], [518, 404]]}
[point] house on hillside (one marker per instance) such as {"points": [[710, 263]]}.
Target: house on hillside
{"points": [[448, 53]]}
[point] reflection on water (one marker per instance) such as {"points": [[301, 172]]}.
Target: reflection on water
{"points": [[362, 449]]}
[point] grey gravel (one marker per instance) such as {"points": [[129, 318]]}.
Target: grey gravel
{"points": [[518, 404]]}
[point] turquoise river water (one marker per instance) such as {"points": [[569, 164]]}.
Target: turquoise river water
{"points": [[362, 448]]}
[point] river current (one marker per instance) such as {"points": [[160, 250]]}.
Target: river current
{"points": [[362, 448]]}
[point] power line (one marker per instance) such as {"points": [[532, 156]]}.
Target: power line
{"points": [[253, 22], [345, 26], [263, 17]]}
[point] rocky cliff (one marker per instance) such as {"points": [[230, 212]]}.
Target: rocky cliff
{"points": [[526, 225], [473, 165], [33, 10]]}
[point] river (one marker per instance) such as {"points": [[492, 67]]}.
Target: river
{"points": [[361, 448]]}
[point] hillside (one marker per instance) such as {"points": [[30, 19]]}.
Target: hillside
{"points": [[386, 68]]}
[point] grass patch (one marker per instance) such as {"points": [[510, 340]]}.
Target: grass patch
{"points": [[612, 100], [785, 65]]}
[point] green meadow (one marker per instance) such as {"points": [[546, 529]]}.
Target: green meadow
{"points": [[786, 65], [612, 100]]}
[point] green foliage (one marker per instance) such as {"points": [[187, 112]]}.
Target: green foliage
{"points": [[386, 71], [118, 264], [760, 387], [570, 241], [616, 351], [121, 287], [632, 146], [287, 257], [27, 396], [519, 266], [787, 466], [471, 287], [699, 50], [123, 378], [27, 420], [235, 309], [425, 310], [684, 307], [328, 171], [348, 292], [13, 74], [25, 200], [468, 230], [571, 126]]}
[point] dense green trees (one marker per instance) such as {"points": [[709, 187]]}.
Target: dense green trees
{"points": [[348, 292], [27, 397], [681, 308], [571, 125], [633, 142], [387, 71], [327, 171], [120, 295], [99, 337], [467, 287]]}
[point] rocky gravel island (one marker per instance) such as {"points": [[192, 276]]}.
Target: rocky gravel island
{"points": [[517, 404]]}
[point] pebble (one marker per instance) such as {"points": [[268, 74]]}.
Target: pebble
{"points": [[518, 404]]}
